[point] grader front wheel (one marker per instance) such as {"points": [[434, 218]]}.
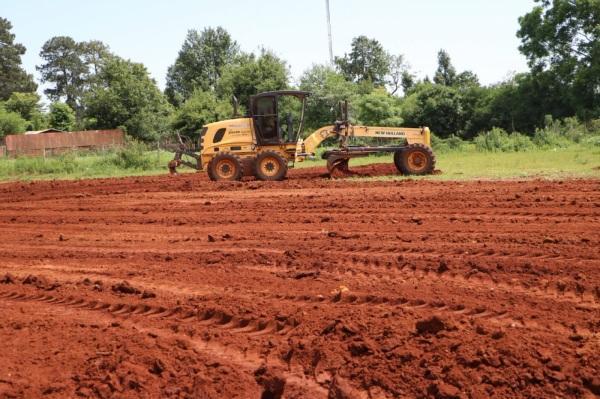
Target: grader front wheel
{"points": [[415, 159]]}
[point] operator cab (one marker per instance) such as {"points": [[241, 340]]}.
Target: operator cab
{"points": [[278, 116]]}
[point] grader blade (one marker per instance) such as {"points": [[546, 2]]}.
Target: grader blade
{"points": [[337, 167]]}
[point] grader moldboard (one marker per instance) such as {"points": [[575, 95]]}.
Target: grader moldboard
{"points": [[259, 146]]}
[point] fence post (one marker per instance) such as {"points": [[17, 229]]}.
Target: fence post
{"points": [[158, 153]]}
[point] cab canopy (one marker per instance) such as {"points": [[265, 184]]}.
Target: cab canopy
{"points": [[278, 116]]}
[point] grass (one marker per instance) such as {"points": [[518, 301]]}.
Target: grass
{"points": [[575, 161], [85, 165]]}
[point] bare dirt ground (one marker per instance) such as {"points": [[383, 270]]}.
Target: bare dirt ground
{"points": [[308, 288]]}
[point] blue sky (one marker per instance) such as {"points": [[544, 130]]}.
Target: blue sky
{"points": [[480, 35]]}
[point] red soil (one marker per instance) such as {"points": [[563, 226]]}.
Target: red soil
{"points": [[308, 288]]}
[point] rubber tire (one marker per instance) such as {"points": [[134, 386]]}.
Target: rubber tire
{"points": [[283, 166], [239, 167], [401, 160]]}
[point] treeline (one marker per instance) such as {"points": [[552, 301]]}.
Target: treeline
{"points": [[92, 88]]}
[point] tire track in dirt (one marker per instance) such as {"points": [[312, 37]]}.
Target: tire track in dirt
{"points": [[254, 326], [218, 320]]}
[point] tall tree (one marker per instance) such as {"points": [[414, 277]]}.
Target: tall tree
{"points": [[201, 108], [328, 88], [398, 72], [438, 106], [94, 54], [65, 68], [367, 61], [379, 108], [251, 74], [125, 96], [446, 73], [562, 38], [13, 77], [200, 63]]}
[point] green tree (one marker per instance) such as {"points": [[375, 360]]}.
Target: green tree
{"points": [[408, 81], [64, 68], [328, 88], [446, 73], [251, 74], [367, 61], [562, 38], [11, 122], [61, 117], [71, 68], [398, 73], [200, 63], [379, 108], [125, 96], [94, 54], [466, 79], [201, 108], [13, 77], [28, 106], [25, 104], [437, 106]]}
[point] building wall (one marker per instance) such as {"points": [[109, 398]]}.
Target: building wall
{"points": [[53, 143]]}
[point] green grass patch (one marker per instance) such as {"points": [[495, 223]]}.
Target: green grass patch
{"points": [[464, 163], [577, 160], [127, 162]]}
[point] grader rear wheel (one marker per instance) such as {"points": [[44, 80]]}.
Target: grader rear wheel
{"points": [[415, 159], [225, 167], [270, 166]]}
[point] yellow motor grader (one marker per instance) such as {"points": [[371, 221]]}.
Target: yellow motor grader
{"points": [[268, 142]]}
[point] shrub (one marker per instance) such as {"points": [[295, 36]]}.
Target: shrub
{"points": [[452, 143], [132, 156], [562, 133], [498, 140], [61, 117], [11, 122]]}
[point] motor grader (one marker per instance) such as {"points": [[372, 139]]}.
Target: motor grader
{"points": [[267, 142]]}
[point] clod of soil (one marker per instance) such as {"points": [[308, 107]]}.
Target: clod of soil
{"points": [[442, 390], [341, 388], [273, 384], [40, 282], [148, 294], [8, 279], [443, 266], [432, 325], [125, 288]]}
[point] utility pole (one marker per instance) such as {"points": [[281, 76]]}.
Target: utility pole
{"points": [[329, 32]]}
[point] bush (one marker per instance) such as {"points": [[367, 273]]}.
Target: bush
{"points": [[131, 156], [11, 122], [561, 133], [452, 143], [61, 117], [498, 140]]}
